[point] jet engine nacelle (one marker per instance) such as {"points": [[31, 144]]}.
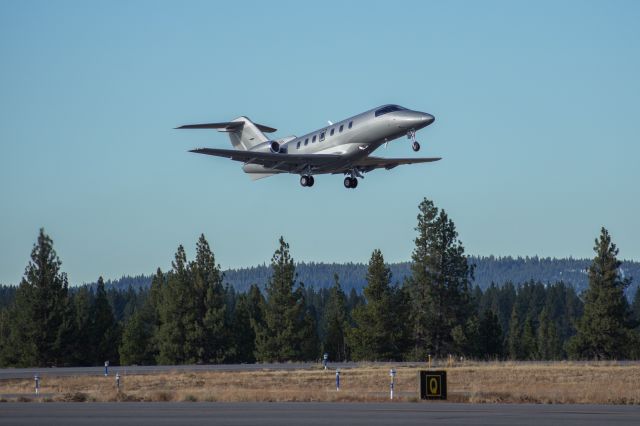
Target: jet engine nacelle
{"points": [[274, 147]]}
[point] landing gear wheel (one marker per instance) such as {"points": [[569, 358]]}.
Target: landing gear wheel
{"points": [[310, 181], [415, 146], [304, 180], [350, 182]]}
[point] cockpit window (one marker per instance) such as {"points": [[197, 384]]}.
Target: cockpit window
{"points": [[387, 109]]}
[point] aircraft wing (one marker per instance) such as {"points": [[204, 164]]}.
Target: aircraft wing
{"points": [[367, 164], [283, 162]]}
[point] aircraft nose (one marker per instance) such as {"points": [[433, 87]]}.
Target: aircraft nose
{"points": [[427, 119]]}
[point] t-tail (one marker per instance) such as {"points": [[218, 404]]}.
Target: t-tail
{"points": [[243, 133]]}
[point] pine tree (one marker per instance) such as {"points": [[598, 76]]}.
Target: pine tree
{"points": [[635, 308], [309, 343], [38, 335], [490, 335], [529, 344], [439, 286], [138, 337], [256, 304], [243, 333], [136, 347], [377, 334], [353, 301], [549, 346], [280, 334], [603, 330], [105, 332], [210, 300], [336, 323], [4, 336], [84, 350], [178, 328], [514, 344]]}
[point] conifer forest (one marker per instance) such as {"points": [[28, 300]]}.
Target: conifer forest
{"points": [[441, 302]]}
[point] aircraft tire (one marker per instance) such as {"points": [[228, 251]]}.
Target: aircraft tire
{"points": [[310, 181], [304, 180], [415, 146], [347, 182], [354, 183]]}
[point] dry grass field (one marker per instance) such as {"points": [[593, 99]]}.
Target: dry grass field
{"points": [[553, 383]]}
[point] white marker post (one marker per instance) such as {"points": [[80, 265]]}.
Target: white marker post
{"points": [[118, 382], [37, 380], [392, 373], [106, 368], [337, 379]]}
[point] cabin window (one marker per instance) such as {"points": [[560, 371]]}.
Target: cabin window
{"points": [[298, 145], [331, 133], [322, 136], [314, 139], [341, 128], [306, 141], [350, 124]]}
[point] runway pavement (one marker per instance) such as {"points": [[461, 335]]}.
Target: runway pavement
{"points": [[310, 414]]}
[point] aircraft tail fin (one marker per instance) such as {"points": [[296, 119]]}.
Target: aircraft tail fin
{"points": [[243, 133], [247, 134]]}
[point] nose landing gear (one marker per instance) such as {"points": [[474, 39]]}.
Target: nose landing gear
{"points": [[411, 134]]}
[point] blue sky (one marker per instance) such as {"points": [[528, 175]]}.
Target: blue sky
{"points": [[536, 106]]}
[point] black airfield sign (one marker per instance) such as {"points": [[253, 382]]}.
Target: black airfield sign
{"points": [[433, 384]]}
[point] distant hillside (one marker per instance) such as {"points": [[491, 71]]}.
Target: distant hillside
{"points": [[352, 275]]}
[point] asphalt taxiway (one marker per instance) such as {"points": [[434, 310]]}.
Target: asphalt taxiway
{"points": [[311, 414]]}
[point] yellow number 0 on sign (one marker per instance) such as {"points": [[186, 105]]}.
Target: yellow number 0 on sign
{"points": [[433, 385]]}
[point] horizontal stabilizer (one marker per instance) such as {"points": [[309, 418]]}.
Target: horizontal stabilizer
{"points": [[228, 126]]}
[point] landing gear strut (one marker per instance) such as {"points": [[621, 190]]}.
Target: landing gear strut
{"points": [[307, 180], [411, 134]]}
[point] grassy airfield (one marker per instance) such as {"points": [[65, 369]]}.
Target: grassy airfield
{"points": [[484, 382]]}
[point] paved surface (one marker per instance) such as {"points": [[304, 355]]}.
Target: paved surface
{"points": [[310, 414]]}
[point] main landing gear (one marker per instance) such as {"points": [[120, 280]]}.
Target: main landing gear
{"points": [[307, 180], [411, 134], [350, 182]]}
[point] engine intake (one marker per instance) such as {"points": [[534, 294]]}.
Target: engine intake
{"points": [[275, 147]]}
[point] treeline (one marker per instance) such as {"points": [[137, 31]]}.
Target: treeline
{"points": [[487, 270], [189, 315]]}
